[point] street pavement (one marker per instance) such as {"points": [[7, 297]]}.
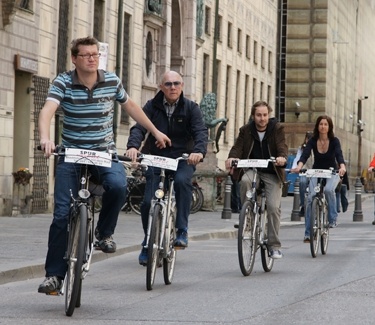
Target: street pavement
{"points": [[24, 238]]}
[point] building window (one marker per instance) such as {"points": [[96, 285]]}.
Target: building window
{"points": [[254, 90], [269, 94], [206, 64], [269, 61], [229, 35], [25, 4], [149, 51], [262, 57], [207, 21], [261, 90], [99, 19], [246, 100], [247, 47], [219, 28], [239, 41], [255, 54]]}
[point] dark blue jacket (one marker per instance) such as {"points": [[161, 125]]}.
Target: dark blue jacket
{"points": [[186, 128]]}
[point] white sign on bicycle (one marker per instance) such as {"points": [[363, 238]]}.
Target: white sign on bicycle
{"points": [[161, 162], [321, 173], [88, 157], [254, 163]]}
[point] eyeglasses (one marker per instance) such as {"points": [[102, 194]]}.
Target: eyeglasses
{"points": [[89, 56], [169, 84]]}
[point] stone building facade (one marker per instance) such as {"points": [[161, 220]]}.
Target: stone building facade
{"points": [[317, 53]]}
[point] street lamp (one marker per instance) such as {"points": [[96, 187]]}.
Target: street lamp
{"points": [[360, 126]]}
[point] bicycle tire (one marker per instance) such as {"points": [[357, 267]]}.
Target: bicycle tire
{"points": [[170, 255], [315, 227], [267, 261], [136, 197], [247, 241], [324, 237], [153, 247], [197, 200], [76, 246]]}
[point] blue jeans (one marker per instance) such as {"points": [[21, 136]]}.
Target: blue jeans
{"points": [[183, 193], [329, 192], [302, 189], [113, 181], [273, 188]]}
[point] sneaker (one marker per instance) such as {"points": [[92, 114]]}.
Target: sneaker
{"points": [[143, 256], [306, 239], [301, 212], [236, 225], [276, 254], [333, 225], [107, 245], [51, 284], [181, 238]]}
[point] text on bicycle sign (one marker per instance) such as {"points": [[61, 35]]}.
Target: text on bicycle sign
{"points": [[88, 157]]}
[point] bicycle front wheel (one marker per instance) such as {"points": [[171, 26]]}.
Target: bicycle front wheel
{"points": [[267, 261], [75, 256], [170, 257], [315, 227], [247, 242], [136, 197], [324, 237], [153, 247]]}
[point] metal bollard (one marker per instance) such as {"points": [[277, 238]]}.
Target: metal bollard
{"points": [[227, 210], [296, 202], [358, 215], [374, 212]]}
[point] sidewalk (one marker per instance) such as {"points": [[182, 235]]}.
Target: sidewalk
{"points": [[24, 238]]}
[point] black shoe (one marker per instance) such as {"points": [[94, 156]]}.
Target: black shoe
{"points": [[181, 239], [107, 245], [51, 285], [302, 212]]}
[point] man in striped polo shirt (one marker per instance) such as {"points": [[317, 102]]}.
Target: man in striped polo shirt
{"points": [[86, 96]]}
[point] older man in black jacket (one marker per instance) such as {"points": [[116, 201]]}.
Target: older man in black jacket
{"points": [[181, 120]]}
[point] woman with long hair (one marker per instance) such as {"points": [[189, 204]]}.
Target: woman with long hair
{"points": [[327, 154]]}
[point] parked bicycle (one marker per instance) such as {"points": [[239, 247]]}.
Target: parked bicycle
{"points": [[197, 198], [161, 231], [80, 237], [319, 224], [253, 221]]}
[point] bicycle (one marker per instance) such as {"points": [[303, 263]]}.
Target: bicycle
{"points": [[80, 229], [197, 198], [161, 231], [253, 221], [319, 225]]}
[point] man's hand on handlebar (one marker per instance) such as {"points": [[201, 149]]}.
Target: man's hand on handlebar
{"points": [[47, 146]]}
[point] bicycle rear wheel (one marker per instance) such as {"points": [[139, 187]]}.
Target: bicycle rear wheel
{"points": [[153, 247], [324, 230], [247, 244], [197, 200], [75, 256], [267, 261], [315, 227], [170, 259]]}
